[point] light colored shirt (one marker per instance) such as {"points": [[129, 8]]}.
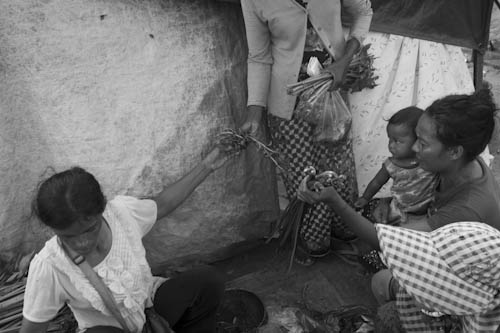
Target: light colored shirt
{"points": [[54, 280], [276, 32]]}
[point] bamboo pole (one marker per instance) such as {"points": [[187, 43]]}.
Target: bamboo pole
{"points": [[14, 329], [11, 302], [14, 292], [13, 317]]}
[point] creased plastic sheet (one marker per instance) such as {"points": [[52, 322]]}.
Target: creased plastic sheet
{"points": [[135, 92]]}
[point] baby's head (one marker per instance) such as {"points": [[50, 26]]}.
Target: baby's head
{"points": [[401, 132]]}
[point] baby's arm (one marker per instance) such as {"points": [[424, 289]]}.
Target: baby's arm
{"points": [[373, 187]]}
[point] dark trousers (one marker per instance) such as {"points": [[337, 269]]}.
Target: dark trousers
{"points": [[188, 301]]}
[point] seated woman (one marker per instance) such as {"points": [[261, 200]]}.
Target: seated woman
{"points": [[451, 283], [107, 235], [451, 134]]}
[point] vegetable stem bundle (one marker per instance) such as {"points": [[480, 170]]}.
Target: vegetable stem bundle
{"points": [[238, 141], [360, 75], [325, 109], [287, 228]]}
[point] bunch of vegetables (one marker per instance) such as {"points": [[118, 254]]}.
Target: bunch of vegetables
{"points": [[325, 109], [237, 141], [359, 76], [288, 227]]}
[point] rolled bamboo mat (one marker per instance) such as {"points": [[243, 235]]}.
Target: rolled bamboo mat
{"points": [[13, 278]]}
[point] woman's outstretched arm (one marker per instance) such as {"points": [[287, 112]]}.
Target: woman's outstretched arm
{"points": [[174, 194]]}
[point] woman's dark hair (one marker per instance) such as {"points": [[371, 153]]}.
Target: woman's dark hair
{"points": [[67, 197], [408, 116], [465, 120]]}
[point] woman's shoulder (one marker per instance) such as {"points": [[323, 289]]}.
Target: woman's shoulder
{"points": [[485, 185], [480, 194], [51, 251], [46, 261]]}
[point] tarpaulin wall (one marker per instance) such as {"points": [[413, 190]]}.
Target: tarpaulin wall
{"points": [[134, 91]]}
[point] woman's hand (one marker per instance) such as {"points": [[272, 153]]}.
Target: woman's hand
{"points": [[321, 193], [338, 69], [340, 66], [253, 120], [305, 194]]}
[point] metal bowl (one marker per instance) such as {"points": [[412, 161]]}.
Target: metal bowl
{"points": [[240, 311]]}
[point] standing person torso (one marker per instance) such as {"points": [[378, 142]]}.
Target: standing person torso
{"points": [[276, 33]]}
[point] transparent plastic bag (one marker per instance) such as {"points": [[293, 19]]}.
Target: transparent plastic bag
{"points": [[328, 113]]}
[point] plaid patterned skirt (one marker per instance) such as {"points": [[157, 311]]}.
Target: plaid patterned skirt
{"points": [[295, 142]]}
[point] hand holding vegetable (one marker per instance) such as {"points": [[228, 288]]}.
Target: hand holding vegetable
{"points": [[316, 187], [340, 66], [350, 73], [252, 123], [321, 193], [338, 70], [220, 154], [237, 141]]}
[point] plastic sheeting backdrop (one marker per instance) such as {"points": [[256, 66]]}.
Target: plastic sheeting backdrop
{"points": [[135, 92]]}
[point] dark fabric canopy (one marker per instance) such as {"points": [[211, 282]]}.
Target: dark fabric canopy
{"points": [[464, 23]]}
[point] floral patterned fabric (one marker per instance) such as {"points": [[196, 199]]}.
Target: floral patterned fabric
{"points": [[410, 72]]}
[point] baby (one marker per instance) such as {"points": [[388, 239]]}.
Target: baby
{"points": [[412, 187]]}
